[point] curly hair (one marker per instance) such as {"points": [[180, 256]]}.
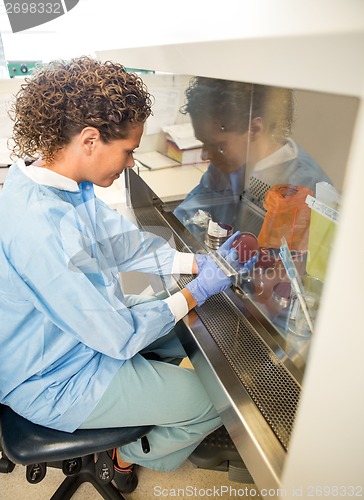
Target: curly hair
{"points": [[233, 104], [61, 98]]}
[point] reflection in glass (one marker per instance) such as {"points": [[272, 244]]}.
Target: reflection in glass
{"points": [[245, 130], [265, 149], [257, 181]]}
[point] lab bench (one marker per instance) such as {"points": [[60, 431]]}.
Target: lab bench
{"points": [[172, 184]]}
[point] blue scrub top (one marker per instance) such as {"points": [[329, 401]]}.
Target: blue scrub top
{"points": [[65, 329]]}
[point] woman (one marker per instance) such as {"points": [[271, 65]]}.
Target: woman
{"points": [[74, 350]]}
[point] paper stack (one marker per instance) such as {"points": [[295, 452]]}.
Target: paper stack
{"points": [[182, 146]]}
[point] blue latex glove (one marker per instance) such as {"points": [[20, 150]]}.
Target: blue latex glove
{"points": [[200, 260], [224, 250], [230, 254], [226, 246], [249, 264], [211, 280]]}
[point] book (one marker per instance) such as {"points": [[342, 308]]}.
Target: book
{"points": [[182, 135], [183, 156]]}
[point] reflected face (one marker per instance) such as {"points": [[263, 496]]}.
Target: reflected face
{"points": [[226, 150]]}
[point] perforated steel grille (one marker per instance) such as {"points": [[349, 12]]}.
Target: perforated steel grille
{"points": [[264, 377], [269, 384], [258, 190]]}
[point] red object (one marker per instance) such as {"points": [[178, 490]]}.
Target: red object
{"points": [[246, 245], [267, 258]]}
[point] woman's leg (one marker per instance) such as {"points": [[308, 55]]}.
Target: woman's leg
{"points": [[149, 392]]}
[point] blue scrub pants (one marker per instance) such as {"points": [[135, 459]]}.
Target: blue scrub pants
{"points": [[150, 392]]}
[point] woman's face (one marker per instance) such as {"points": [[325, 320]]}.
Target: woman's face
{"points": [[111, 159], [228, 151]]}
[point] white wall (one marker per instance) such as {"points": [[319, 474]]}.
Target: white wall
{"points": [[8, 88]]}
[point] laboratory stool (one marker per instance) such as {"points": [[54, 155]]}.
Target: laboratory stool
{"points": [[82, 455]]}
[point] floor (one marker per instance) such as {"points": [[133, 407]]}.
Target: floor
{"points": [[187, 481]]}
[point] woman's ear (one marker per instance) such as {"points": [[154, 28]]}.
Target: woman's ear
{"points": [[89, 138], [256, 127]]}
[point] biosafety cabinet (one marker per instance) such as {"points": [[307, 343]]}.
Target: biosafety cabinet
{"points": [[290, 394]]}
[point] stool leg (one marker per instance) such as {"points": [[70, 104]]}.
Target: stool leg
{"points": [[87, 474], [108, 491], [6, 465], [67, 488]]}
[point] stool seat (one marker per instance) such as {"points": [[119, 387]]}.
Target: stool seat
{"points": [[83, 455], [26, 443]]}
